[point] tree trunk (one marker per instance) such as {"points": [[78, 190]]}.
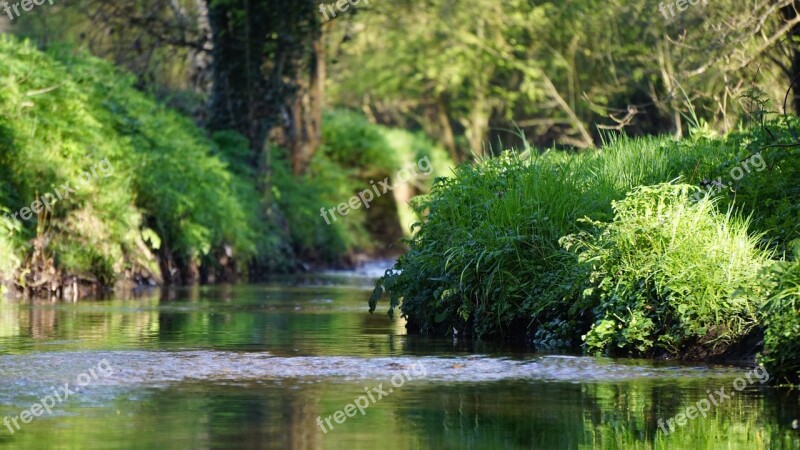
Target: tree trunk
{"points": [[305, 131], [446, 131], [790, 13], [268, 74], [477, 124], [238, 98]]}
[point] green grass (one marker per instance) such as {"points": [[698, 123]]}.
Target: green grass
{"points": [[487, 258], [668, 275]]}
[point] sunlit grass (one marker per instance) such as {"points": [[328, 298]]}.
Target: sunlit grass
{"points": [[486, 259]]}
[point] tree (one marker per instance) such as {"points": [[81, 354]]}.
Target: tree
{"points": [[467, 72], [268, 72], [260, 63], [791, 45]]}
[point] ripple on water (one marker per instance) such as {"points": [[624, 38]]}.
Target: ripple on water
{"points": [[149, 367]]}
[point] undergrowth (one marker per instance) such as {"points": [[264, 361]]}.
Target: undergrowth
{"points": [[556, 246]]}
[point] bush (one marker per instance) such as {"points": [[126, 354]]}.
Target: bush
{"points": [[486, 258], [354, 153], [298, 200], [354, 143], [59, 115], [781, 319], [485, 247], [668, 275]]}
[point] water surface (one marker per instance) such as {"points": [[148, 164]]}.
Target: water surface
{"points": [[255, 366]]}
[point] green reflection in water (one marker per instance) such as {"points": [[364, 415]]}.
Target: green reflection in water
{"points": [[281, 320], [331, 321]]}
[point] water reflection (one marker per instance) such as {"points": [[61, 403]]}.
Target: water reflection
{"points": [[235, 367], [282, 414], [287, 320]]}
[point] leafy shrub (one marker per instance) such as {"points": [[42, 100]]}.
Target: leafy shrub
{"points": [[485, 247], [486, 258], [781, 319], [50, 136], [188, 195], [298, 201], [668, 274], [60, 114], [354, 153], [353, 143]]}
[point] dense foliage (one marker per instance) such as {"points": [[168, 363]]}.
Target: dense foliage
{"points": [[167, 191], [620, 246], [558, 246], [781, 318], [558, 69], [668, 273], [175, 201]]}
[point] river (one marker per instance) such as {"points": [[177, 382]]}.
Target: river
{"points": [[300, 363]]}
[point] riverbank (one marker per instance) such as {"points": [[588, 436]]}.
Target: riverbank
{"points": [[102, 184], [630, 250]]}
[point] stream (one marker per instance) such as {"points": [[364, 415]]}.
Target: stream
{"points": [[300, 363]]}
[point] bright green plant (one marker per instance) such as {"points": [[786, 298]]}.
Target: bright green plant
{"points": [[781, 319], [62, 114], [486, 258], [669, 275]]}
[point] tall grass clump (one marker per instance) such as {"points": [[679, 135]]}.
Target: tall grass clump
{"points": [[485, 259], [668, 275], [487, 246]]}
